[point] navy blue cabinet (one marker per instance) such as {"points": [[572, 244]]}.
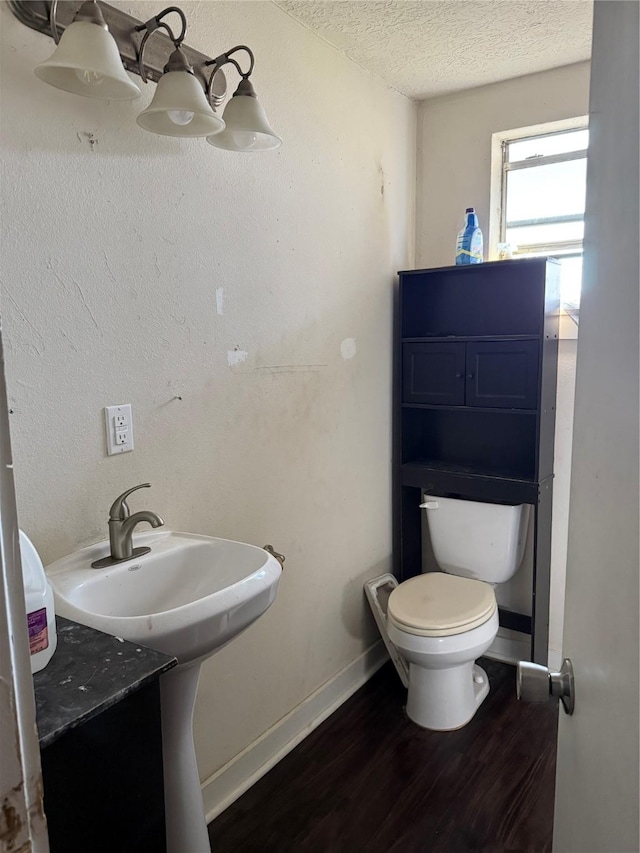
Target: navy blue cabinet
{"points": [[497, 374], [478, 352], [433, 373], [502, 374]]}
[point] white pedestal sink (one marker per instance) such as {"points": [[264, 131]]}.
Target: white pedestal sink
{"points": [[188, 597]]}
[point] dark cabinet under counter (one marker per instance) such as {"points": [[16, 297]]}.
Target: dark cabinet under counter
{"points": [[99, 724]]}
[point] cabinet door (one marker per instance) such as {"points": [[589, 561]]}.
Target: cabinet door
{"points": [[502, 374], [433, 373]]}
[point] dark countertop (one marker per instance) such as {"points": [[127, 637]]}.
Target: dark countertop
{"points": [[88, 673]]}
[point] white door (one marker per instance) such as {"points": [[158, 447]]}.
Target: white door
{"points": [[597, 791]]}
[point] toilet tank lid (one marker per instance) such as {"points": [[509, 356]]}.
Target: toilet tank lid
{"points": [[441, 603]]}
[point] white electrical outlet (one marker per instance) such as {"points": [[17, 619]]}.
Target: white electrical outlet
{"points": [[119, 425]]}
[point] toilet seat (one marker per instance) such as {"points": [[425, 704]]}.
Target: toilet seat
{"points": [[440, 605]]}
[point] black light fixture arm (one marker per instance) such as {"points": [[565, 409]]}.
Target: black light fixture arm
{"points": [[157, 23], [226, 58]]}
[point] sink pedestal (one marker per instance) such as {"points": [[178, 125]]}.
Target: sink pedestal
{"points": [[184, 810]]}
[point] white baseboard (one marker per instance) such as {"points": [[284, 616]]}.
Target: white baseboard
{"points": [[509, 650], [512, 650], [238, 775]]}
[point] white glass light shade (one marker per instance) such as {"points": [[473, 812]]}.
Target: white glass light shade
{"points": [[247, 127], [180, 108], [87, 62]]}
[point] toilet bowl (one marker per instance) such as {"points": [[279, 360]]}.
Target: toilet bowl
{"points": [[440, 624]]}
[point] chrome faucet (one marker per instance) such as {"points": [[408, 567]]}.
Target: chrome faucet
{"points": [[121, 527]]}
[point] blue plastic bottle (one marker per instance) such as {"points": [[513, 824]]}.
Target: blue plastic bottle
{"points": [[469, 244]]}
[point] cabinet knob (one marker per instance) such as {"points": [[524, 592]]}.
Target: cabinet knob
{"points": [[469, 375], [458, 375]]}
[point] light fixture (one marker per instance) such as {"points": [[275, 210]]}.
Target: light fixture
{"points": [[100, 43], [179, 106], [86, 60], [247, 127]]}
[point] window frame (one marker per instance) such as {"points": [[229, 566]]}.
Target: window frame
{"points": [[498, 190], [567, 248], [499, 169]]}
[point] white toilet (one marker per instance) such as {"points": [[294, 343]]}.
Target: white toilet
{"points": [[440, 622]]}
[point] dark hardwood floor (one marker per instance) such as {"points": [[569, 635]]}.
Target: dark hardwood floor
{"points": [[370, 780]]}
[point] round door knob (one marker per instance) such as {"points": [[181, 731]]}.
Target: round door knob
{"points": [[532, 683], [536, 683]]}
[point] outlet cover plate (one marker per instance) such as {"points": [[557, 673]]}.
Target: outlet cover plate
{"points": [[119, 425]]}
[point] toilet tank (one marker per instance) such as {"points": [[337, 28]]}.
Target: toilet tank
{"points": [[477, 540]]}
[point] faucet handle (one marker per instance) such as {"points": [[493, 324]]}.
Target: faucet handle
{"points": [[119, 508]]}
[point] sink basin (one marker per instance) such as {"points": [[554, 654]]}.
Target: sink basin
{"points": [[188, 597]]}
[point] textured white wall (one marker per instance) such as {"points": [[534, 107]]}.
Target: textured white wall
{"points": [[115, 245], [454, 172]]}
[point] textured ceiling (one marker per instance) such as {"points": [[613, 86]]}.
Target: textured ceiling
{"points": [[433, 47]]}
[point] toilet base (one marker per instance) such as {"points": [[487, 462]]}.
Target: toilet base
{"points": [[445, 699]]}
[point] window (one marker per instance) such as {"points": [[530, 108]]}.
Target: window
{"points": [[543, 183]]}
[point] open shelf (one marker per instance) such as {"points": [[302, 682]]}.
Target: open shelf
{"points": [[466, 439], [502, 299]]}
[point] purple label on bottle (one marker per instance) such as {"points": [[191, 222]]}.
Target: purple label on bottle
{"points": [[38, 630]]}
